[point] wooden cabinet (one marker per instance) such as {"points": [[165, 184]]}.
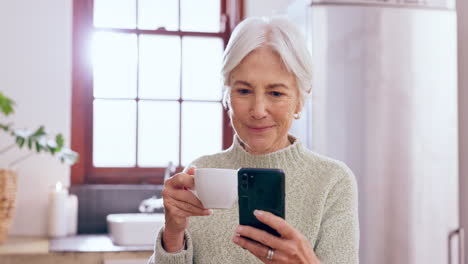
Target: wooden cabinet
{"points": [[25, 250]]}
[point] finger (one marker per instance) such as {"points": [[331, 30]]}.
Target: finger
{"points": [[180, 216], [178, 211], [182, 196], [261, 251], [261, 236], [185, 209], [275, 222], [193, 210], [258, 250], [192, 203], [191, 170], [181, 181]]}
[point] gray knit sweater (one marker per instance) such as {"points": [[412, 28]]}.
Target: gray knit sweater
{"points": [[321, 203]]}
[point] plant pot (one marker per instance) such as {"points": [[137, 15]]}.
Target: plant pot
{"points": [[7, 201]]}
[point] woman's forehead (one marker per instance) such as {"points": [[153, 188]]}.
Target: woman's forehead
{"points": [[264, 55], [262, 63]]}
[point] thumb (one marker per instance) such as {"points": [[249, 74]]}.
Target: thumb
{"points": [[191, 170]]}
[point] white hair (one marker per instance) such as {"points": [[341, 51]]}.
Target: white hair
{"points": [[282, 36]]}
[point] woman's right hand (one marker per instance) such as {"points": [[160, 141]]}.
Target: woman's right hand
{"points": [[179, 204]]}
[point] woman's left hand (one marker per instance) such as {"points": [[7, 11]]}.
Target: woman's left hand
{"points": [[291, 247]]}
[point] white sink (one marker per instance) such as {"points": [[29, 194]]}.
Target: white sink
{"points": [[134, 229]]}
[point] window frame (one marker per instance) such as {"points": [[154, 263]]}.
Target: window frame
{"points": [[83, 172]]}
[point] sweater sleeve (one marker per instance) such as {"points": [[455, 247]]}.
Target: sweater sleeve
{"points": [[338, 237], [160, 255]]}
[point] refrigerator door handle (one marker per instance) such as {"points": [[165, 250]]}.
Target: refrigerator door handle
{"points": [[461, 245]]}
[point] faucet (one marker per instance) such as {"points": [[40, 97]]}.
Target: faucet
{"points": [[153, 203], [170, 169], [150, 205]]}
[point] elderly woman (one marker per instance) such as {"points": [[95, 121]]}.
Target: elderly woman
{"points": [[267, 75]]}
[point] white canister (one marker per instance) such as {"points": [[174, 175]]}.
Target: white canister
{"points": [[58, 200], [72, 216]]}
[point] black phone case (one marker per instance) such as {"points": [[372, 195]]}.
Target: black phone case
{"points": [[262, 189]]}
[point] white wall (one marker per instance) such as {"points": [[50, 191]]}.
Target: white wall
{"points": [[35, 70], [265, 7], [462, 7]]}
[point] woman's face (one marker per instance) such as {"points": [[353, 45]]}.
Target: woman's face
{"points": [[264, 97]]}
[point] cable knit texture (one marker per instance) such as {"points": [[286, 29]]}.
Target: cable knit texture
{"points": [[321, 203]]}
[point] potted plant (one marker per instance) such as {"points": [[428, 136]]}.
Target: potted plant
{"points": [[36, 141]]}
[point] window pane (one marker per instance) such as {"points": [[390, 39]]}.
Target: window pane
{"points": [[115, 13], [201, 130], [114, 60], [158, 133], [159, 67], [153, 14], [201, 67], [201, 15], [114, 133]]}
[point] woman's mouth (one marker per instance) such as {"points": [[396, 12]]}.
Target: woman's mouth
{"points": [[259, 129]]}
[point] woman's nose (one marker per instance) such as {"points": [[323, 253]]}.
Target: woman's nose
{"points": [[258, 108]]}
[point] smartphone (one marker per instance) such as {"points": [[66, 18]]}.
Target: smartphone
{"points": [[262, 189]]}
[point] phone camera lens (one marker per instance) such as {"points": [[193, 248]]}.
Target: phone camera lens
{"points": [[245, 176], [244, 181]]}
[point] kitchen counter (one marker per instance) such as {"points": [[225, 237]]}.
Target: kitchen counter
{"points": [[90, 249], [91, 243]]}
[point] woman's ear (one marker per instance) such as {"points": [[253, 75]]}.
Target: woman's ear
{"points": [[298, 106]]}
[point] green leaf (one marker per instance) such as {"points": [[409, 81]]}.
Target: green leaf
{"points": [[38, 147], [51, 149], [39, 132], [6, 128], [52, 146], [6, 105], [30, 142], [59, 139], [20, 141]]}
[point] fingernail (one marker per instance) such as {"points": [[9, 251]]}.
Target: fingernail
{"points": [[235, 239], [209, 211], [258, 213], [239, 229]]}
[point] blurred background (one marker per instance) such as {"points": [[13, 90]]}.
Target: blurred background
{"points": [[134, 87]]}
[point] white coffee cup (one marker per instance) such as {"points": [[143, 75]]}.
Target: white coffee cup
{"points": [[216, 188]]}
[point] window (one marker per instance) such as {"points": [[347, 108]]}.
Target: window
{"points": [[146, 86]]}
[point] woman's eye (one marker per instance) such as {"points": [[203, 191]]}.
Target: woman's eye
{"points": [[243, 91], [276, 94]]}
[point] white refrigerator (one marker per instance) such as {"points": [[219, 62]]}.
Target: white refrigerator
{"points": [[384, 101]]}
